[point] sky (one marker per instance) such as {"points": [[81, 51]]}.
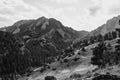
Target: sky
{"points": [[78, 14]]}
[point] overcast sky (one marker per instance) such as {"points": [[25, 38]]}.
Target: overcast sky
{"points": [[78, 14]]}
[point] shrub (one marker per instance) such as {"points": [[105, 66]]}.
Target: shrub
{"points": [[53, 69], [42, 70], [76, 59], [75, 76], [50, 78], [65, 60]]}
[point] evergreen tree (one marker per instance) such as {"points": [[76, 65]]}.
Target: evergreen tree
{"points": [[99, 38], [97, 58], [12, 61]]}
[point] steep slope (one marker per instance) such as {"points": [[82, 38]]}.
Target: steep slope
{"points": [[107, 27], [51, 29], [42, 38], [83, 33]]}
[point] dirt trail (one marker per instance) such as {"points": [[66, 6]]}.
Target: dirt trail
{"points": [[62, 74]]}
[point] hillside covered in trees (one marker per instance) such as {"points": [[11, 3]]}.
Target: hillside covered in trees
{"points": [[46, 46]]}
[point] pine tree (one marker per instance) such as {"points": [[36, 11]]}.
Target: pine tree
{"points": [[97, 58], [12, 61]]}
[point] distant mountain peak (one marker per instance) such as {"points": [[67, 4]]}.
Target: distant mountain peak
{"points": [[43, 26], [42, 18], [19, 23], [109, 26]]}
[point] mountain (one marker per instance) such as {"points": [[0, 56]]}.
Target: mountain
{"points": [[43, 37], [107, 27], [43, 27], [82, 35]]}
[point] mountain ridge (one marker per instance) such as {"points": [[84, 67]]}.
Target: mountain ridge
{"points": [[44, 23], [109, 26], [43, 36]]}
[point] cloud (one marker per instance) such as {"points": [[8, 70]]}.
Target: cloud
{"points": [[78, 14], [65, 1], [94, 10], [18, 9], [6, 11], [4, 18], [99, 12], [107, 7]]}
